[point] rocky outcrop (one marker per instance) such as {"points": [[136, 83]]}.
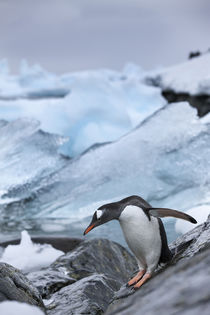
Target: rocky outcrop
{"points": [[201, 102], [91, 277], [182, 287], [15, 286], [84, 280]]}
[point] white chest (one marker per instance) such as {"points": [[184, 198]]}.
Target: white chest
{"points": [[142, 235]]}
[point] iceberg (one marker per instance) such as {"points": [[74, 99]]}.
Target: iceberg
{"points": [[89, 107], [165, 159], [108, 136]]}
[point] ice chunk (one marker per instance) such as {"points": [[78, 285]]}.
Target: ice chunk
{"points": [[200, 213], [29, 256], [17, 308]]}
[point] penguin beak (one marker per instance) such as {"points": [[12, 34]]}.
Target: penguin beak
{"points": [[89, 228]]}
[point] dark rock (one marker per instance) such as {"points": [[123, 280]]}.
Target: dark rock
{"points": [[191, 243], [84, 280], [65, 244], [15, 286], [200, 102], [194, 54], [98, 256], [181, 288], [50, 280], [90, 295]]}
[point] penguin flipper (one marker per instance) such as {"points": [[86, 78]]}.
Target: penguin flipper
{"points": [[165, 212]]}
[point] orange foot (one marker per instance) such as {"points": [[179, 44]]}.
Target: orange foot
{"points": [[136, 278], [142, 281]]}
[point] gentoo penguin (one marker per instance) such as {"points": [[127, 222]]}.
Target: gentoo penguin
{"points": [[143, 230]]}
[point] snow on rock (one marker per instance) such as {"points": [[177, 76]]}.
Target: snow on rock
{"points": [[29, 256], [17, 308], [191, 77], [206, 119], [200, 213], [154, 161]]}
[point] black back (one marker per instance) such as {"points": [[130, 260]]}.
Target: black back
{"points": [[119, 206], [165, 255]]}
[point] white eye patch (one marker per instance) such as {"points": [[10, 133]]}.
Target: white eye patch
{"points": [[99, 214]]}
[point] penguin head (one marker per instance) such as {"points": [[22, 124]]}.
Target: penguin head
{"points": [[103, 215]]}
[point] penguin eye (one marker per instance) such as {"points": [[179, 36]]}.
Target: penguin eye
{"points": [[98, 215]]}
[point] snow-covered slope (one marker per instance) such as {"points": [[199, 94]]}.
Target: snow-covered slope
{"points": [[191, 77]]}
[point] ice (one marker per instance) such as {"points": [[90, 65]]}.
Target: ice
{"points": [[200, 213], [17, 308], [28, 158], [147, 156], [32, 82], [165, 160], [4, 67], [121, 136], [192, 76], [96, 107], [29, 256]]}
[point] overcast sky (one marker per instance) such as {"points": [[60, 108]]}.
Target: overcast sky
{"points": [[66, 35]]}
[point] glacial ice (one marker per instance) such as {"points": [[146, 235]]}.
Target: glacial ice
{"points": [[29, 256], [165, 160], [27, 156], [97, 107], [160, 152]]}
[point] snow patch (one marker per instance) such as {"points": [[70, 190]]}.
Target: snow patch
{"points": [[29, 256], [200, 213], [17, 308]]}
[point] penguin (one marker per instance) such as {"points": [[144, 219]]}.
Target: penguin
{"points": [[143, 231]]}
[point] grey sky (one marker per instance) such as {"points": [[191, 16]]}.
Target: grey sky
{"points": [[66, 35]]}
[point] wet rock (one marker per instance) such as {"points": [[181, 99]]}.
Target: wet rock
{"points": [[90, 295], [182, 287], [98, 256], [84, 280], [15, 286], [50, 280], [191, 243]]}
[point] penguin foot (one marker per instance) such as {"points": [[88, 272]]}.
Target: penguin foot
{"points": [[142, 281], [136, 278]]}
